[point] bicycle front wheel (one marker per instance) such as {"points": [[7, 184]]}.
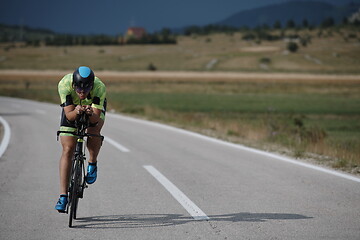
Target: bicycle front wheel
{"points": [[75, 189], [79, 185]]}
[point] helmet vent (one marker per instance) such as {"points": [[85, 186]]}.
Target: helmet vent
{"points": [[84, 71]]}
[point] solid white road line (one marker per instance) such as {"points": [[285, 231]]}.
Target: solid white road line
{"points": [[241, 147], [115, 144], [189, 206], [6, 138]]}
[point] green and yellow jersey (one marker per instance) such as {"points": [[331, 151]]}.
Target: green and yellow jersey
{"points": [[68, 96]]}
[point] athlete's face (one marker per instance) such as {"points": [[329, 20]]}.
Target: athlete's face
{"points": [[82, 95], [82, 92]]}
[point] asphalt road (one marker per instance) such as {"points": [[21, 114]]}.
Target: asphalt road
{"points": [[156, 182]]}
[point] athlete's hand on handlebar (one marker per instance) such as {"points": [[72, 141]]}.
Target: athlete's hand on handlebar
{"points": [[84, 109], [79, 109], [89, 110]]}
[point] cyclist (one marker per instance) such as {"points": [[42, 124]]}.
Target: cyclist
{"points": [[79, 92]]}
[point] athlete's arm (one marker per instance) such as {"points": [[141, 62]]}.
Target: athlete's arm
{"points": [[72, 112]]}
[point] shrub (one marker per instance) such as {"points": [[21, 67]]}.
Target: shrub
{"points": [[303, 42], [292, 46], [152, 67], [249, 36], [265, 60]]}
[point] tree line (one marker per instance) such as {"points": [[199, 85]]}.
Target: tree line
{"points": [[163, 37], [37, 37], [277, 25]]}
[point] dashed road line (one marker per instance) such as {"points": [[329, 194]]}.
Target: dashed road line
{"points": [[189, 206], [116, 144]]}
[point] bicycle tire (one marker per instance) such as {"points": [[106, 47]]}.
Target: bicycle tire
{"points": [[79, 179], [71, 194], [74, 190]]}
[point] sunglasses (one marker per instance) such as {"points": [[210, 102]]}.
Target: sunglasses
{"points": [[83, 89]]}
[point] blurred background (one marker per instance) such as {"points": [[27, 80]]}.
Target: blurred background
{"points": [[277, 75]]}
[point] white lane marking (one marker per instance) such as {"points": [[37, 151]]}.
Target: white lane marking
{"points": [[6, 138], [189, 206], [241, 147], [40, 111], [116, 144]]}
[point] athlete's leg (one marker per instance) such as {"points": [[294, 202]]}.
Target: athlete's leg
{"points": [[94, 143], [68, 144]]}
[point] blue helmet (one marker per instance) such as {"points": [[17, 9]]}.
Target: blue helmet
{"points": [[83, 78]]}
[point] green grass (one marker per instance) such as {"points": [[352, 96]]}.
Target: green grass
{"points": [[244, 103]]}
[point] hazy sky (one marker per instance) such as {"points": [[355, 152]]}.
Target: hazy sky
{"points": [[115, 16]]}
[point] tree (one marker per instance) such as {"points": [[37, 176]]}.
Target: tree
{"points": [[166, 31], [292, 46], [345, 21], [328, 22], [290, 24], [191, 30], [277, 25], [305, 23]]}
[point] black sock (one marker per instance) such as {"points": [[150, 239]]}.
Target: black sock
{"points": [[63, 195], [93, 164]]}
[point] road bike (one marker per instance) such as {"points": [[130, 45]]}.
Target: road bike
{"points": [[77, 182]]}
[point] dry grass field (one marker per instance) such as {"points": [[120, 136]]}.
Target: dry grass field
{"points": [[304, 104], [334, 52]]}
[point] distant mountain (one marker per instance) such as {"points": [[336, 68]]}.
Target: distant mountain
{"points": [[313, 12]]}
